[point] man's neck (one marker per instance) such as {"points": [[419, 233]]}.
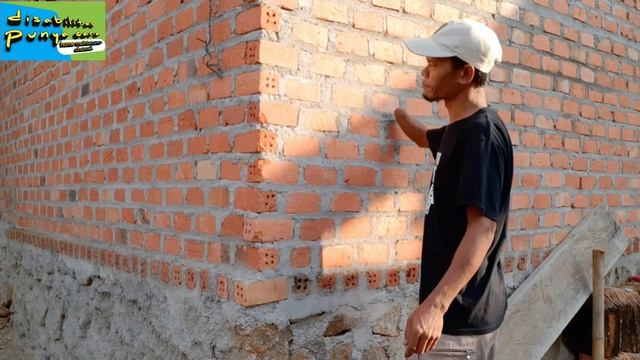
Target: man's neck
{"points": [[466, 104]]}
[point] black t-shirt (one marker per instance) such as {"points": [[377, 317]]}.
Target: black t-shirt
{"points": [[474, 167]]}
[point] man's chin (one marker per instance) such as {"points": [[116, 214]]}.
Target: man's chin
{"points": [[429, 98]]}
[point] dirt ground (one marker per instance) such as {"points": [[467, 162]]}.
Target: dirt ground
{"points": [[10, 345]]}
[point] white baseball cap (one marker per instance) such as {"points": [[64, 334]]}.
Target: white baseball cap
{"points": [[471, 41]]}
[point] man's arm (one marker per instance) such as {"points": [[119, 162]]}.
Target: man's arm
{"points": [[467, 260], [414, 130], [424, 326]]}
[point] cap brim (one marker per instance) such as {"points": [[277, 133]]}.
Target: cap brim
{"points": [[427, 47]]}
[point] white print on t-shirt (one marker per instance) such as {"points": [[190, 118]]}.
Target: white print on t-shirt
{"points": [[430, 200]]}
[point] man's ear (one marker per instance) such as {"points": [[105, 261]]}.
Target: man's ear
{"points": [[467, 74]]}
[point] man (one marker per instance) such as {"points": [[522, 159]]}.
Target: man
{"points": [[462, 293]]}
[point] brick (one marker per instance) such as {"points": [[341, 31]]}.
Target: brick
{"points": [[336, 149], [257, 82], [408, 250], [281, 172], [277, 54], [417, 7], [351, 43], [230, 170], [511, 96], [206, 224], [221, 31], [388, 227], [267, 230], [380, 202], [232, 225], [412, 155], [156, 10], [255, 141], [320, 120], [261, 291], [364, 125], [443, 13], [317, 229], [561, 6], [220, 88], [298, 203], [385, 102], [198, 145], [330, 10], [219, 143], [541, 42], [273, 113], [347, 96], [255, 200], [343, 202], [542, 82], [194, 249], [359, 227], [233, 56], [541, 201], [394, 132], [370, 74], [388, 4], [400, 28], [181, 222], [509, 11], [302, 90], [328, 65], [488, 6], [259, 17], [359, 176], [311, 34], [419, 107], [388, 52], [553, 219], [296, 146], [318, 175], [300, 257], [411, 202], [257, 258], [402, 80], [373, 254], [336, 256], [395, 177], [172, 245], [175, 196], [368, 21], [205, 170], [531, 19], [207, 117], [521, 77]]}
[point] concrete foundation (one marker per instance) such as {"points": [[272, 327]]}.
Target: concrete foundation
{"points": [[69, 309]]}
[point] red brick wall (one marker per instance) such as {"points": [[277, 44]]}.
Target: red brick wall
{"points": [[286, 174]]}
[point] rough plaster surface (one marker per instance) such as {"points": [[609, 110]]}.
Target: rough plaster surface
{"points": [[69, 309]]}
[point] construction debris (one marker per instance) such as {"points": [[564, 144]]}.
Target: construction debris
{"points": [[622, 325], [5, 306], [622, 320], [626, 356]]}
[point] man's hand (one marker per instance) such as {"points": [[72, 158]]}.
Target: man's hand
{"points": [[414, 130], [424, 329]]}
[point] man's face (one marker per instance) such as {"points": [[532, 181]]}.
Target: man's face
{"points": [[439, 79]]}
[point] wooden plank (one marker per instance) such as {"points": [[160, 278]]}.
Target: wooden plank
{"points": [[549, 298], [597, 327]]}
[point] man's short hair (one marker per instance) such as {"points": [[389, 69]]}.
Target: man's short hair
{"points": [[479, 77]]}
